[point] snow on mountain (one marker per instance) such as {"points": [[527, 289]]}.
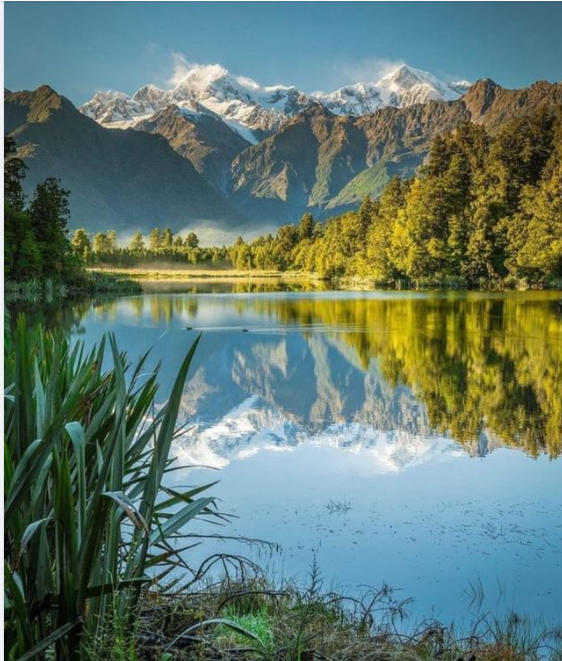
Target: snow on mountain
{"points": [[253, 110], [253, 427], [118, 110], [403, 87], [247, 108]]}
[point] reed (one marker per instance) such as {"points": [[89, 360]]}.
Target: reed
{"points": [[88, 522]]}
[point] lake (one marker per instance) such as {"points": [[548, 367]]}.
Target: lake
{"points": [[402, 437]]}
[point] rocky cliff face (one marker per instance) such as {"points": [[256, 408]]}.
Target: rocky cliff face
{"points": [[200, 137]]}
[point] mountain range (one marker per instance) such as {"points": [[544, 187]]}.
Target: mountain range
{"points": [[255, 111], [228, 152]]}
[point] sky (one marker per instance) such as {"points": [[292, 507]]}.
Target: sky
{"points": [[81, 47]]}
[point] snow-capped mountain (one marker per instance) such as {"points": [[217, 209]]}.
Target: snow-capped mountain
{"points": [[246, 107], [120, 110], [255, 111], [403, 87], [240, 101]]}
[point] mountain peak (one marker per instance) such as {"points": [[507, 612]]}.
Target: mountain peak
{"points": [[148, 92], [405, 86], [255, 111], [40, 104], [406, 77]]}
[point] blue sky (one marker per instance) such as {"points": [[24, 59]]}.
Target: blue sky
{"points": [[80, 47]]}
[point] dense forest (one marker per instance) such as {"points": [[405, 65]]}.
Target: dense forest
{"points": [[36, 244], [484, 209]]}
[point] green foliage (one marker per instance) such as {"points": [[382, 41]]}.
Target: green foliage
{"points": [[137, 243], [191, 240], [155, 239], [14, 173], [81, 244], [306, 227], [36, 241], [163, 246], [101, 243], [485, 209], [22, 256], [86, 516], [49, 212]]}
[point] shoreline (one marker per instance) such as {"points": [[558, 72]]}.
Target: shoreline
{"points": [[176, 275], [342, 283]]}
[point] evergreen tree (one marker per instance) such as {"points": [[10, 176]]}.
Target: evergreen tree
{"points": [[49, 213], [155, 240], [136, 246], [366, 214], [112, 240], [192, 240], [306, 227], [81, 244], [102, 244], [14, 173], [379, 238], [537, 235], [167, 239], [22, 257]]}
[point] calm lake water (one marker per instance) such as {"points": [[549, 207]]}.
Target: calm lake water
{"points": [[407, 438]]}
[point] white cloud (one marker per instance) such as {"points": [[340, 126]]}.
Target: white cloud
{"points": [[181, 66]]}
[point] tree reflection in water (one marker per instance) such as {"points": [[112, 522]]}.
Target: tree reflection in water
{"points": [[477, 362]]}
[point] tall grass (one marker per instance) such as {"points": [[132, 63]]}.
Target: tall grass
{"points": [[87, 520]]}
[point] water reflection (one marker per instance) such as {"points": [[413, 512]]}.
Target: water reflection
{"points": [[483, 366], [381, 400], [485, 370]]}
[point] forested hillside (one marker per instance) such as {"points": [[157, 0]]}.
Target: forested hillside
{"points": [[483, 208]]}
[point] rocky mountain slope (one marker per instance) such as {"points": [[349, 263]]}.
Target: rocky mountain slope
{"points": [[200, 136], [323, 163], [124, 180]]}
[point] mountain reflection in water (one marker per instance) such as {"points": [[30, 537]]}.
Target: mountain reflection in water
{"points": [[482, 369], [435, 417]]}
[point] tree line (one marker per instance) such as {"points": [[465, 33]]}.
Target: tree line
{"points": [[160, 245]]}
